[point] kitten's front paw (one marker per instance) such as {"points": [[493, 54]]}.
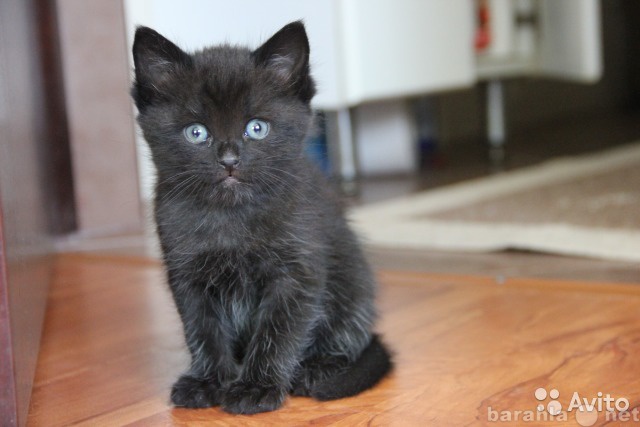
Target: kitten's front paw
{"points": [[192, 392], [246, 398]]}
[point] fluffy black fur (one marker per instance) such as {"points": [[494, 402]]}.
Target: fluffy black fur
{"points": [[273, 290]]}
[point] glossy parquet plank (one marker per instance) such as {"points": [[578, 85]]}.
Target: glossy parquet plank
{"points": [[466, 348]]}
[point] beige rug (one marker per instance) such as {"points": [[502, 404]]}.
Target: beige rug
{"points": [[583, 206]]}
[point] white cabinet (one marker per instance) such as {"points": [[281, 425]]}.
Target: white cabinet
{"points": [[370, 50], [552, 38], [364, 50], [404, 47], [361, 50], [570, 40]]}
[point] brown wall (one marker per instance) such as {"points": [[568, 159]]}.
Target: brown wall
{"points": [[25, 178], [67, 159], [100, 115]]}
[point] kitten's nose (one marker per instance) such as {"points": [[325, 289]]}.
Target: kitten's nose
{"points": [[229, 161]]}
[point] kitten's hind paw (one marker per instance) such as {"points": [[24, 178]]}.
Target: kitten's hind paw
{"points": [[246, 398], [192, 392], [316, 370]]}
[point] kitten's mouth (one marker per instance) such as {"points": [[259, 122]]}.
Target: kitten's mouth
{"points": [[231, 178]]}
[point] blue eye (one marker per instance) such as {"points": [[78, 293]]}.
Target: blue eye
{"points": [[257, 129], [196, 133]]}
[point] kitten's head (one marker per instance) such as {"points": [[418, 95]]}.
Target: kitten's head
{"points": [[224, 124]]}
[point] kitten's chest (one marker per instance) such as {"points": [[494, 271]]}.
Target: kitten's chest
{"points": [[186, 228], [231, 284]]}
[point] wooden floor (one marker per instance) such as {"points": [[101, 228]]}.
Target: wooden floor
{"points": [[468, 350]]}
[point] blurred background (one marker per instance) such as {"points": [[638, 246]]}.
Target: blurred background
{"points": [[412, 95], [399, 82]]}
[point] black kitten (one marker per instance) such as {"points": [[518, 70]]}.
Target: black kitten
{"points": [[271, 284]]}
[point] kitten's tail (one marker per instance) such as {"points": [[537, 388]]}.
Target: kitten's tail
{"points": [[373, 364]]}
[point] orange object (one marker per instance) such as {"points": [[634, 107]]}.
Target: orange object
{"points": [[483, 29]]}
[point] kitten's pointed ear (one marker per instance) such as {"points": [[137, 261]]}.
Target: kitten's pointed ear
{"points": [[287, 54], [155, 58]]}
